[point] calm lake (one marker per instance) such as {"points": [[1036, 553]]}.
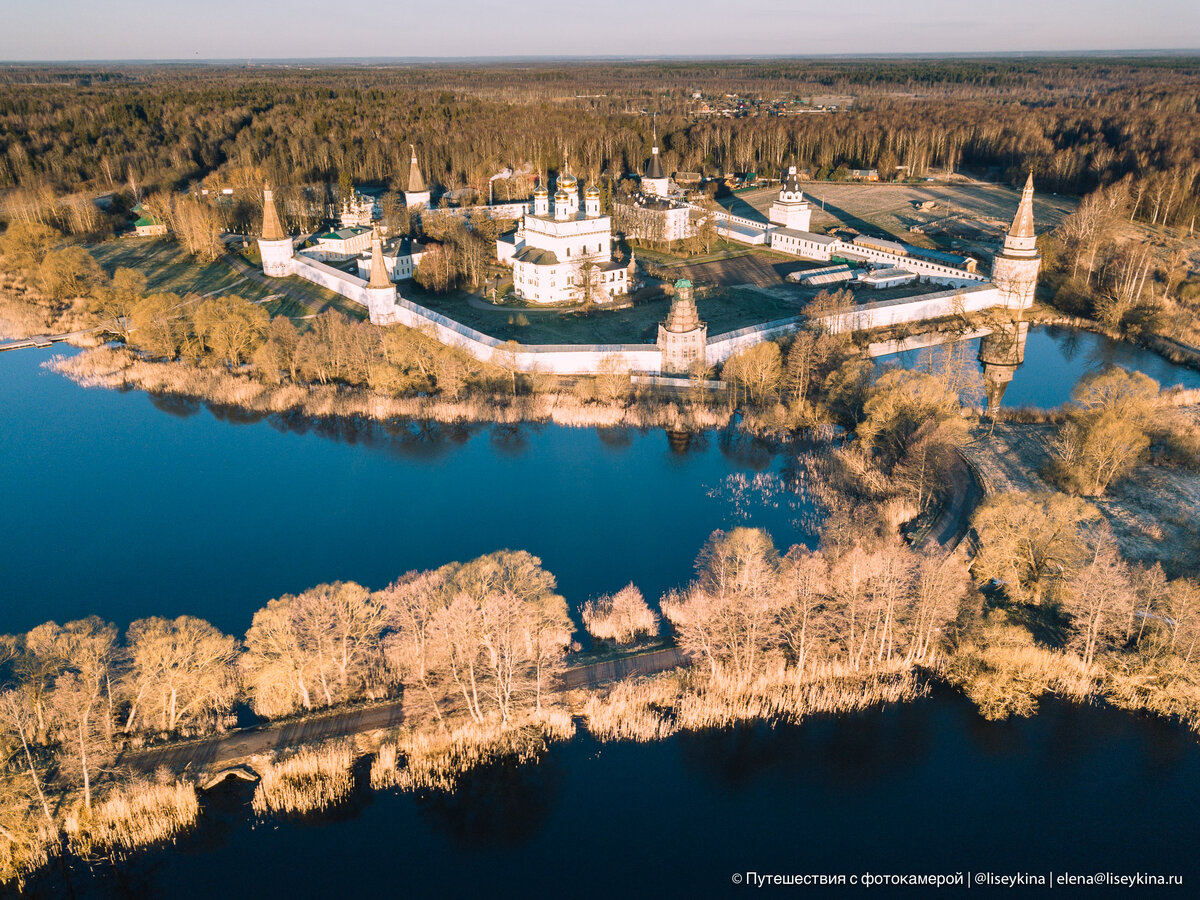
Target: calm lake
{"points": [[124, 506], [1056, 357], [926, 787]]}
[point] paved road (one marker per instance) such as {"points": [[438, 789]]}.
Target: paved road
{"points": [[217, 751]]}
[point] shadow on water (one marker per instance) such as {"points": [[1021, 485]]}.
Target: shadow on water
{"points": [[500, 805]]}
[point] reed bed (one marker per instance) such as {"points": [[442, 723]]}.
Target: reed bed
{"points": [[138, 815], [438, 759], [116, 367], [634, 710], [783, 694], [26, 846], [657, 707], [1165, 686], [1005, 680], [309, 781]]}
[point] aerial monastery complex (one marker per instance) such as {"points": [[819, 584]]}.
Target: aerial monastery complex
{"points": [[562, 252]]}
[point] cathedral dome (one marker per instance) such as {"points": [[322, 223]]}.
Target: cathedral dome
{"points": [[567, 182], [592, 191]]}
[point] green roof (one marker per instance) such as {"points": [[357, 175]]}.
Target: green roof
{"points": [[144, 221]]}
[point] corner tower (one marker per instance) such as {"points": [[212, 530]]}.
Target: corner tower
{"points": [[1015, 268], [274, 247], [417, 193], [683, 338], [380, 292]]}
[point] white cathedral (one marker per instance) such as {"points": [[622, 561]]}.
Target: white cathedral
{"points": [[562, 253]]}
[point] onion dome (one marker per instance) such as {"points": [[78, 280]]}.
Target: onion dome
{"points": [[540, 191], [592, 191]]}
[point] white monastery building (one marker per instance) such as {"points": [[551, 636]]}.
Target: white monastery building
{"points": [[563, 253]]}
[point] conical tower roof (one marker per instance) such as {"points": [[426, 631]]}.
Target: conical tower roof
{"points": [[379, 273], [683, 316], [272, 230], [1022, 225], [416, 183]]}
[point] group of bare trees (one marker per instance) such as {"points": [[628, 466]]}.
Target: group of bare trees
{"points": [[1056, 553], [858, 605], [1114, 420], [485, 636]]}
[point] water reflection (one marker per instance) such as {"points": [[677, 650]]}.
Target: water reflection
{"points": [[1031, 366], [496, 806]]}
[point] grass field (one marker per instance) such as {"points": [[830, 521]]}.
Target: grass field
{"points": [[169, 268]]}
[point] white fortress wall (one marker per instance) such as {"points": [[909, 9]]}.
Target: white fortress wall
{"points": [[349, 286], [589, 359], [876, 314]]}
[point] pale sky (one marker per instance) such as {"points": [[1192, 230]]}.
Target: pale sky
{"points": [[275, 29]]}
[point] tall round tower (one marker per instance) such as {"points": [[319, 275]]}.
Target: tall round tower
{"points": [[683, 338], [1015, 268], [381, 293], [274, 247]]}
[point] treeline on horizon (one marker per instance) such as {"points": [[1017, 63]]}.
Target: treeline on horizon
{"points": [[1078, 124]]}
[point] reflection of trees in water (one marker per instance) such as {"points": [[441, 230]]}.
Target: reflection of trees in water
{"points": [[407, 438], [510, 438], [498, 805], [746, 451], [175, 405], [846, 750], [617, 437]]}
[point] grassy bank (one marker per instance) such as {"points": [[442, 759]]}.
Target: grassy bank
{"points": [[111, 367]]}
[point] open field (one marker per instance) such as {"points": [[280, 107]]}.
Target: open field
{"points": [[893, 208], [168, 268], [1155, 512]]}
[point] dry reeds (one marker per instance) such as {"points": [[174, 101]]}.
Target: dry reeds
{"points": [[1005, 679], [656, 707], [26, 844], [138, 815], [309, 781], [633, 710], [116, 367], [438, 759]]}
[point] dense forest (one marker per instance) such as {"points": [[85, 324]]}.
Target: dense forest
{"points": [[1078, 124]]}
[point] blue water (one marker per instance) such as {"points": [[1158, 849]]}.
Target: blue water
{"points": [[921, 788], [1056, 357], [123, 505]]}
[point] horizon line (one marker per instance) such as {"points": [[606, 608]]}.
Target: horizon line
{"points": [[627, 57]]}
